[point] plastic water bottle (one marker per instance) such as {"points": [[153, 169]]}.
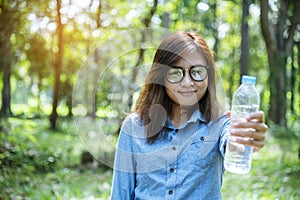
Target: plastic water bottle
{"points": [[238, 157]]}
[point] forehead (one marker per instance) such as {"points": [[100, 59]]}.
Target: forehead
{"points": [[190, 58]]}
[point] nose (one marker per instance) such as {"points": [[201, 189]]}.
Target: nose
{"points": [[187, 81]]}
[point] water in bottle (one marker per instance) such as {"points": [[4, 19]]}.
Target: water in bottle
{"points": [[238, 157]]}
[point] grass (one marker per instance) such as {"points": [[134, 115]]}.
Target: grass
{"points": [[66, 183], [49, 166], [45, 164], [275, 174]]}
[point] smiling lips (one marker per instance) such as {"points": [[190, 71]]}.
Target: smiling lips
{"points": [[187, 93]]}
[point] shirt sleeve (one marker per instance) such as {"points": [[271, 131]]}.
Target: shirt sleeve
{"points": [[123, 182], [225, 123]]}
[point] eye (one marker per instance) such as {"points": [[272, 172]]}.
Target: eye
{"points": [[199, 73], [174, 75], [175, 72]]}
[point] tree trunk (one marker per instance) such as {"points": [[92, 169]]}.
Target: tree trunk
{"points": [[140, 60], [39, 102], [92, 105], [6, 66], [277, 66], [92, 102], [279, 47], [298, 60], [215, 27], [293, 79], [57, 67], [6, 31], [244, 39]]}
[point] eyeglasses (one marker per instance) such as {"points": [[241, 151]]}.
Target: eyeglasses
{"points": [[197, 73]]}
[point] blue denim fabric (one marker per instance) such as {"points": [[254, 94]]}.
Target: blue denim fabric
{"points": [[185, 163]]}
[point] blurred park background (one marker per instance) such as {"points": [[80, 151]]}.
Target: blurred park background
{"points": [[71, 70]]}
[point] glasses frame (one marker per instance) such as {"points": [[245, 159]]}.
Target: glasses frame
{"points": [[183, 70]]}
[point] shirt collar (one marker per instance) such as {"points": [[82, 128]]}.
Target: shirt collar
{"points": [[196, 116]]}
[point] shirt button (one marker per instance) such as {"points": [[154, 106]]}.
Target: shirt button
{"points": [[202, 138], [170, 192], [172, 170], [173, 148]]}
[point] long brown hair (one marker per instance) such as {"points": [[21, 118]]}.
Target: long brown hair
{"points": [[154, 93]]}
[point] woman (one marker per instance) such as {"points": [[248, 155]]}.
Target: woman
{"points": [[173, 145]]}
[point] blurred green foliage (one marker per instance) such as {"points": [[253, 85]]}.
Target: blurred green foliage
{"points": [[38, 163]]}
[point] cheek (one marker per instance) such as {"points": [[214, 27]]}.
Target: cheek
{"points": [[170, 92], [202, 85], [169, 87]]}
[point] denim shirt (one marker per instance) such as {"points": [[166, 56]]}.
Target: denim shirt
{"points": [[185, 163]]}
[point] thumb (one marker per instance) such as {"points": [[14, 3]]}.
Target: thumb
{"points": [[228, 113]]}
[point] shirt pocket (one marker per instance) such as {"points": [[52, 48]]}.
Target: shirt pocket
{"points": [[205, 152], [208, 148]]}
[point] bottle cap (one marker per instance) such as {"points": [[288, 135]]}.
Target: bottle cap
{"points": [[248, 79]]}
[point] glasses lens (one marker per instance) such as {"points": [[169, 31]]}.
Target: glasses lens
{"points": [[175, 75], [198, 73]]}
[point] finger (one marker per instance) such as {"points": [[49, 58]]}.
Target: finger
{"points": [[257, 145], [248, 133], [261, 127], [258, 116]]}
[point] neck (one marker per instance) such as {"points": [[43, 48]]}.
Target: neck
{"points": [[181, 114]]}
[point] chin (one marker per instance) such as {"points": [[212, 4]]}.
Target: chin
{"points": [[191, 105]]}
